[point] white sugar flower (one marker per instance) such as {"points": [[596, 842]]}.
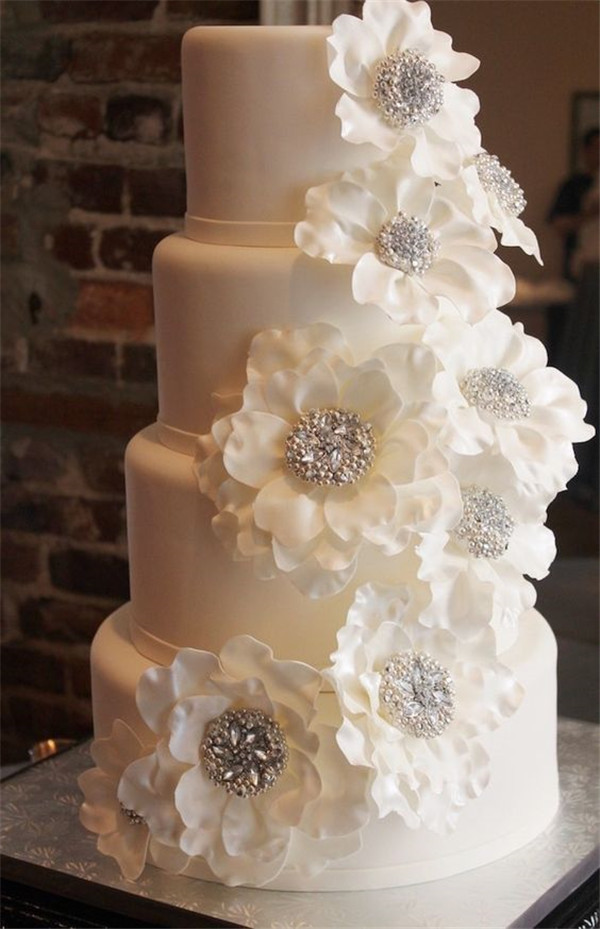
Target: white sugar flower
{"points": [[487, 189], [240, 725], [415, 703], [398, 75], [325, 458], [501, 398], [411, 245], [122, 829], [475, 572]]}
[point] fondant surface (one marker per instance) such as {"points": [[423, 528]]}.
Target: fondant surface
{"points": [[504, 818]]}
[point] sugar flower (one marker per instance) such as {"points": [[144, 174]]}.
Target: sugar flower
{"points": [[398, 75], [325, 457], [487, 190], [415, 703], [240, 726], [121, 827], [476, 571], [411, 245], [500, 397]]}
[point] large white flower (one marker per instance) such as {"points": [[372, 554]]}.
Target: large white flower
{"points": [[487, 188], [501, 398], [254, 770], [121, 827], [411, 244], [325, 458], [415, 703], [475, 572], [398, 75]]}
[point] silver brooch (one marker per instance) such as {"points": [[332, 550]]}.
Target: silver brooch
{"points": [[486, 526], [497, 179], [408, 89], [134, 818], [496, 391], [417, 694], [405, 243], [244, 751], [330, 446]]}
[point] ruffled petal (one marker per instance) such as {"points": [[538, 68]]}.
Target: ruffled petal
{"points": [[351, 512], [291, 514], [128, 847], [254, 452], [353, 48]]}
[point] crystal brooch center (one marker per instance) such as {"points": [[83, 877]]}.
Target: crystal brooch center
{"points": [[417, 694], [405, 243], [486, 525], [244, 751], [134, 818], [330, 447], [497, 179], [408, 89], [496, 391]]}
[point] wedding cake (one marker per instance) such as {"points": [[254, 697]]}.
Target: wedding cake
{"points": [[330, 674]]}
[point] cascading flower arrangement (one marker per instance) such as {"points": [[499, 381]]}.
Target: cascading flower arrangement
{"points": [[448, 443]]}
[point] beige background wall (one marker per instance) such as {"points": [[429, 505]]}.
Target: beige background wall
{"points": [[534, 55]]}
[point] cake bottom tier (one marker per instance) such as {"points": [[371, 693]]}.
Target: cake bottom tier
{"points": [[520, 801]]}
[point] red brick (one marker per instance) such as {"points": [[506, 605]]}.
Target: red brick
{"points": [[108, 305], [127, 248], [138, 118], [78, 412], [225, 10], [70, 115], [139, 364], [29, 458], [73, 246], [67, 11], [73, 358], [20, 560], [88, 186], [34, 57], [102, 466], [109, 57], [67, 516], [10, 236], [94, 573], [157, 191], [53, 619], [28, 665]]}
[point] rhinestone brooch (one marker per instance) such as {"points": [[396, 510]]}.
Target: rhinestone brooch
{"points": [[497, 179], [405, 243], [496, 391], [417, 694], [244, 751], [486, 526], [134, 818], [408, 89], [330, 447]]}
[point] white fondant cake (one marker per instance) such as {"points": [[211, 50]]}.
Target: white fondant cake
{"points": [[330, 675]]}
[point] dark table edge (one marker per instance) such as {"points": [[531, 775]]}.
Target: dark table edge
{"points": [[564, 888], [110, 899]]}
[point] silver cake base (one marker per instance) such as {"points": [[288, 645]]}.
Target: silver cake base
{"points": [[43, 845]]}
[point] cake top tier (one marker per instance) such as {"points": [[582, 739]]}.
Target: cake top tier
{"points": [[259, 128]]}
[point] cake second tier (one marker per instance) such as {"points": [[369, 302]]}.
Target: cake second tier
{"points": [[187, 592]]}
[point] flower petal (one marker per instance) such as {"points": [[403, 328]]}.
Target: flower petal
{"points": [[290, 513], [254, 452]]}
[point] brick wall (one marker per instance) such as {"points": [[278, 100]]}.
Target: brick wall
{"points": [[92, 179]]}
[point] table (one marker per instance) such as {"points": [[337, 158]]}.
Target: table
{"points": [[45, 850]]}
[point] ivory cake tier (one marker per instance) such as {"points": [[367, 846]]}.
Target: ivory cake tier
{"points": [[523, 753]]}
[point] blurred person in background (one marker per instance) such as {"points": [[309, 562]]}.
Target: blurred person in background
{"points": [[573, 332]]}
